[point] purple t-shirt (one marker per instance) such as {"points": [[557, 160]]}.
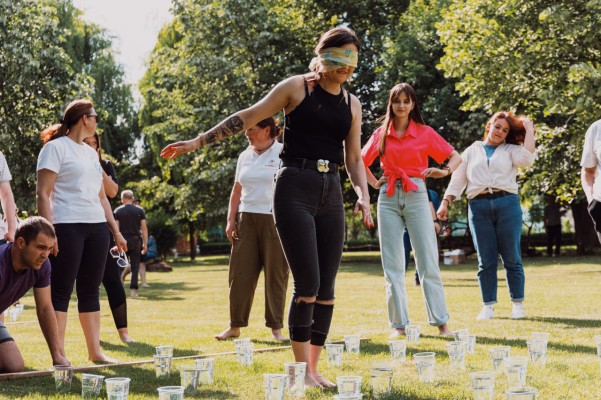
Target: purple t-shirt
{"points": [[13, 285]]}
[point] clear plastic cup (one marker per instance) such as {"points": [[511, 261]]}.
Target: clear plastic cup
{"points": [[537, 350], [189, 377], [206, 367], [166, 350], [348, 384], [412, 332], [91, 385], [525, 393], [296, 372], [483, 385], [334, 354], [456, 351], [275, 386], [398, 350], [171, 393], [162, 366], [425, 362], [352, 343], [63, 375], [497, 355], [117, 388], [245, 353], [381, 378], [515, 370]]}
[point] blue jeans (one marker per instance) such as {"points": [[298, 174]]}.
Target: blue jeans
{"points": [[496, 227], [412, 211]]}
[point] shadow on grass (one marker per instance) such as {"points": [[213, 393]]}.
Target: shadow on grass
{"points": [[159, 291], [575, 322], [143, 350]]}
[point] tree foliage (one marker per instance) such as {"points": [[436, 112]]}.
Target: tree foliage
{"points": [[48, 57]]}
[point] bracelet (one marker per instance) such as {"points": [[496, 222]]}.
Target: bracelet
{"points": [[435, 221], [447, 200], [448, 169]]}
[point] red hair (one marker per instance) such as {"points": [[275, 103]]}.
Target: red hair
{"points": [[517, 132], [75, 110]]}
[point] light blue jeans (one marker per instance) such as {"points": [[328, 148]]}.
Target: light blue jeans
{"points": [[410, 210], [496, 227]]}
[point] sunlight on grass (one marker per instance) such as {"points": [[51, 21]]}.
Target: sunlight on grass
{"points": [[188, 306]]}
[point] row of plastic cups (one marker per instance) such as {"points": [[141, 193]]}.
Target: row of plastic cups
{"points": [[483, 388], [90, 384]]}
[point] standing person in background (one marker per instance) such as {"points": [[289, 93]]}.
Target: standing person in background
{"points": [[8, 203], [151, 254], [552, 222], [71, 195], [323, 130], [251, 231], [404, 144], [489, 172], [131, 220], [591, 167], [112, 274]]}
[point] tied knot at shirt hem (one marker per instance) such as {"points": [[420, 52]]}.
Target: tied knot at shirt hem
{"points": [[399, 174]]}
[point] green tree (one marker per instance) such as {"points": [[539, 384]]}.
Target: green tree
{"points": [[537, 57]]}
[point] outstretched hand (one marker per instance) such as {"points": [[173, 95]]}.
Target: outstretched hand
{"points": [[175, 149], [363, 206]]}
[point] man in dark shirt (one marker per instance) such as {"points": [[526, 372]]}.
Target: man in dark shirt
{"points": [[24, 264], [132, 225]]}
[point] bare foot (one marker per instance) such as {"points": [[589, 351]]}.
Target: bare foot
{"points": [[228, 333], [323, 381], [145, 285], [102, 359], [277, 335], [398, 332], [126, 339], [443, 330], [310, 381]]}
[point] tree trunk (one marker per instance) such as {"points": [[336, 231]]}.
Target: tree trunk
{"points": [[584, 235], [192, 239]]}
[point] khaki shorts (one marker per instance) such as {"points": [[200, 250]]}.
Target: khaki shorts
{"points": [[4, 335]]}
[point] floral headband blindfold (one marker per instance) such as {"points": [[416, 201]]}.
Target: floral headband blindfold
{"points": [[334, 58]]}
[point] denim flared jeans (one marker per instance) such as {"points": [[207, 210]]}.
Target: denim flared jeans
{"points": [[410, 210], [496, 226]]}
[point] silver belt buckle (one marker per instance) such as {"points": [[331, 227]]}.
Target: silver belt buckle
{"points": [[323, 166]]}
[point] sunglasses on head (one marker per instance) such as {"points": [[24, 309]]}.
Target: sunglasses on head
{"points": [[121, 257]]}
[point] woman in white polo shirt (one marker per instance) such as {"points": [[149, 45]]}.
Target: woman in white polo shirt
{"points": [[489, 171], [251, 230]]}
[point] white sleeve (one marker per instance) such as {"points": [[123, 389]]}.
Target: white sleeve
{"points": [[521, 157], [50, 157], [459, 178], [5, 175], [592, 141]]}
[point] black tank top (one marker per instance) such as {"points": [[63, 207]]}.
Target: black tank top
{"points": [[317, 127]]}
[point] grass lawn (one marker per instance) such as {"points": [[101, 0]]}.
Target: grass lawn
{"points": [[186, 307]]}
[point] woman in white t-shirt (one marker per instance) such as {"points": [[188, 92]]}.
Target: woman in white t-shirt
{"points": [[71, 195], [251, 230], [489, 171]]}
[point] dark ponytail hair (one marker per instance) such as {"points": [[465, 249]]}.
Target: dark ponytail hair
{"points": [[274, 130], [75, 110]]}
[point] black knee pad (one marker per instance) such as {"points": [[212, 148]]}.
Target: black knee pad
{"points": [[300, 320], [322, 318]]}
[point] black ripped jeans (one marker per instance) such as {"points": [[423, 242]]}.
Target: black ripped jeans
{"points": [[309, 217]]}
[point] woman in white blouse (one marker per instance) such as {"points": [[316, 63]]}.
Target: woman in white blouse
{"points": [[489, 170]]}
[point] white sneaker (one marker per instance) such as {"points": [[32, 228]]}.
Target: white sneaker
{"points": [[487, 312], [518, 312]]}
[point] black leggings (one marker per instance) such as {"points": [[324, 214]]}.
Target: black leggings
{"points": [[594, 209], [309, 217], [82, 255], [114, 290]]}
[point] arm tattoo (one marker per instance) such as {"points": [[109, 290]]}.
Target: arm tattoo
{"points": [[229, 127]]}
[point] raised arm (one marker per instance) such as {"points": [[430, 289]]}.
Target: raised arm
{"points": [[354, 164], [277, 99]]}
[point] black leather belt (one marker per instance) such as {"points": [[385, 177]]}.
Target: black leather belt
{"points": [[323, 166], [493, 195]]}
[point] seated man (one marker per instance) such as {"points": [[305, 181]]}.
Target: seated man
{"points": [[24, 264]]}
